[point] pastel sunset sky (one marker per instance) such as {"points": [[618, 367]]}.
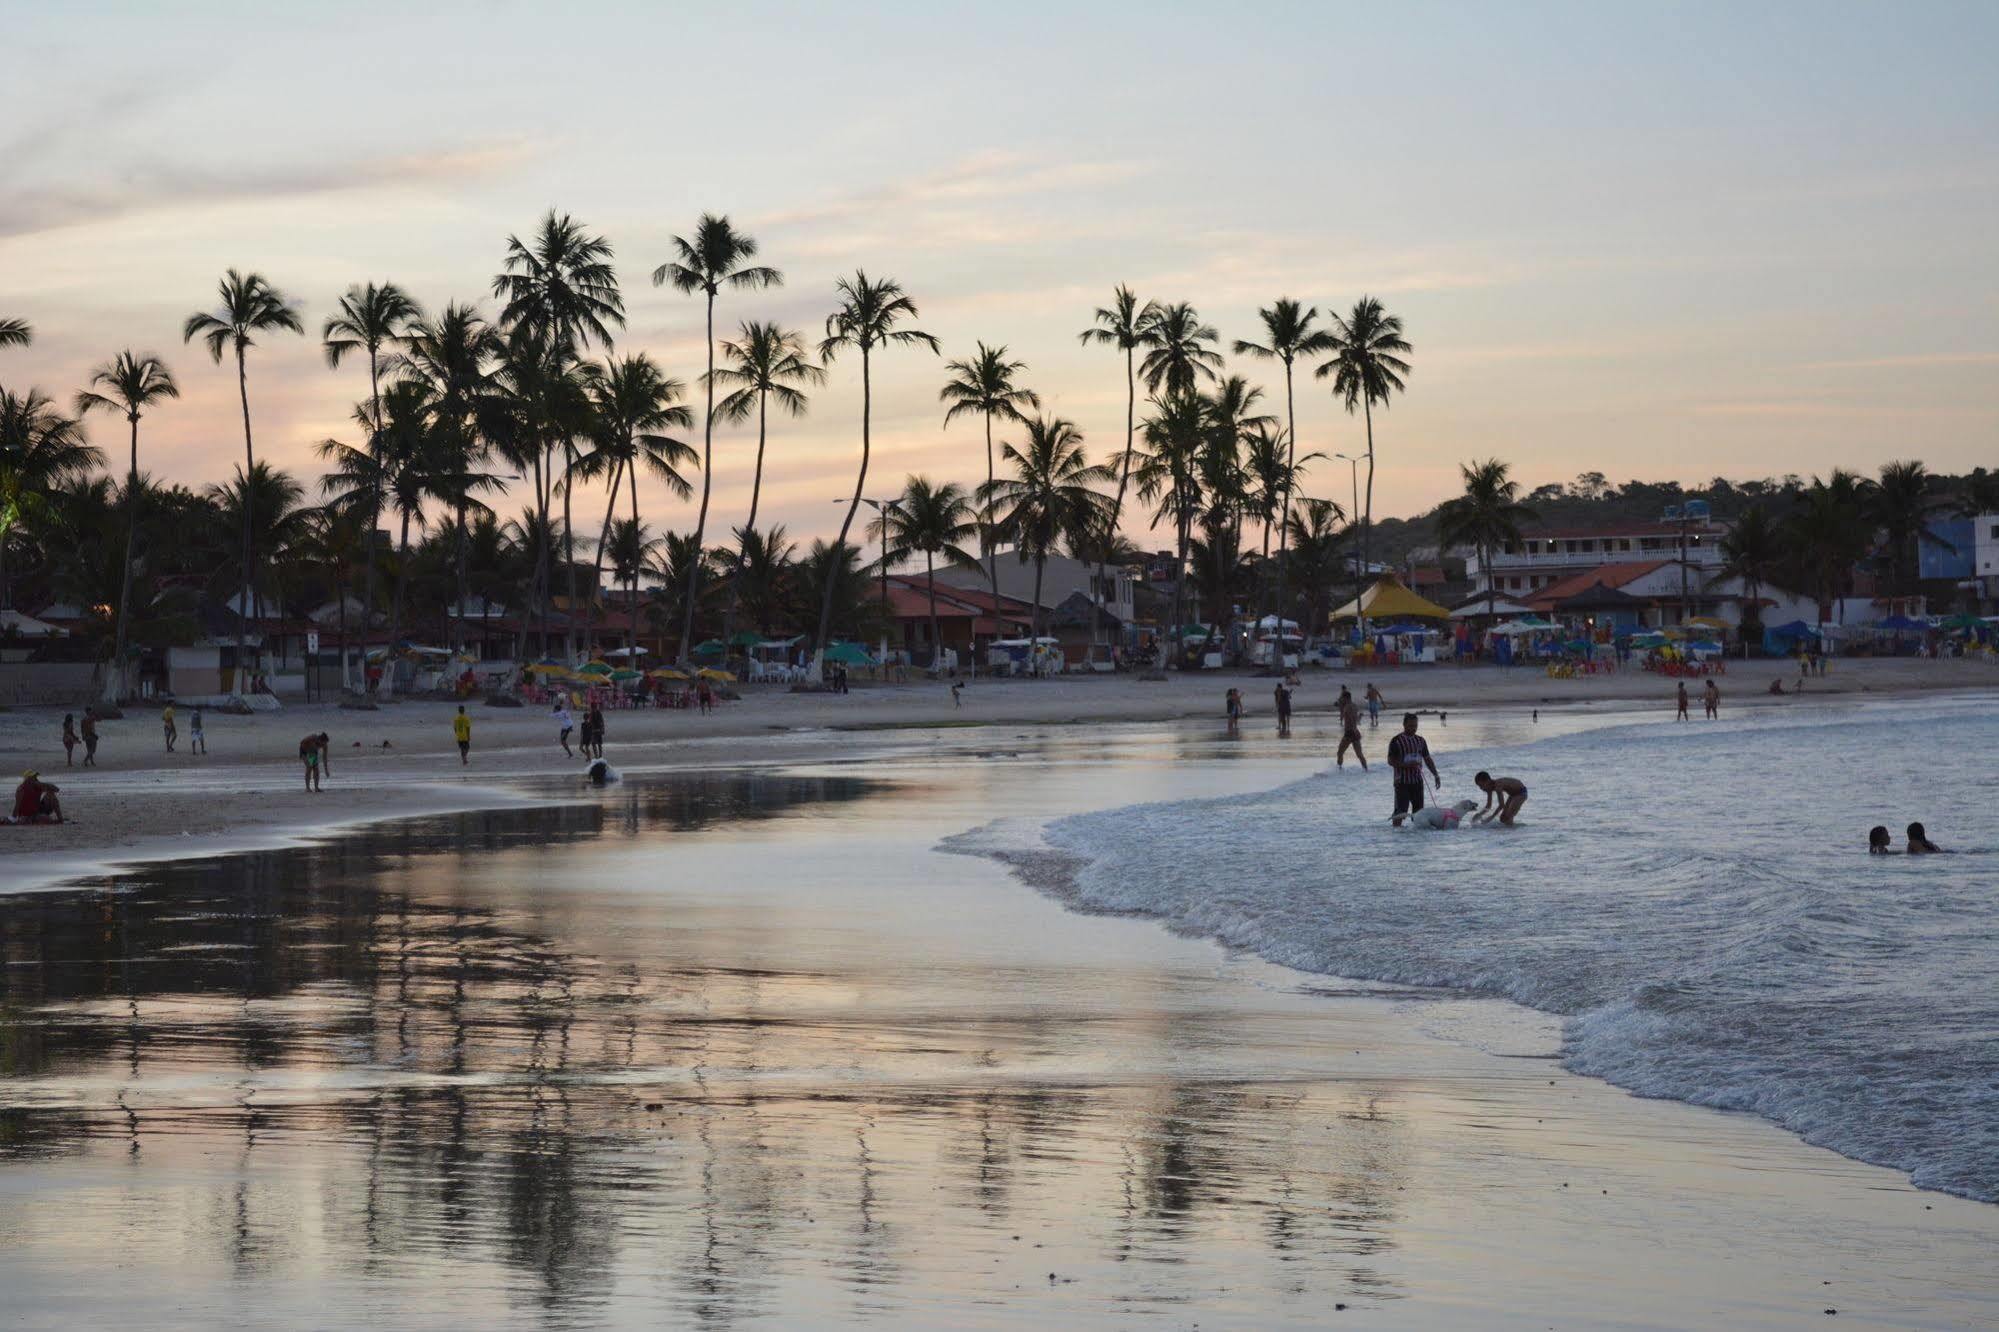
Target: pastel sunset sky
{"points": [[1667, 241]]}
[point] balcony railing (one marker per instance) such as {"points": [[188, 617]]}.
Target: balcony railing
{"points": [[1703, 553]]}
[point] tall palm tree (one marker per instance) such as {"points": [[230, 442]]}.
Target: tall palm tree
{"points": [[766, 575], [249, 305], [1287, 335], [272, 497], [986, 384], [1752, 552], [1233, 419], [1368, 366], [1827, 533], [15, 333], [930, 520], [1051, 493], [1179, 357], [634, 402], [1316, 537], [718, 256], [128, 384], [1176, 437], [40, 450], [561, 295], [541, 403], [766, 362], [1124, 324], [1900, 503], [870, 311], [1486, 517]]}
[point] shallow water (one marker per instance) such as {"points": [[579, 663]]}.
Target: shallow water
{"points": [[736, 1048], [1695, 898]]}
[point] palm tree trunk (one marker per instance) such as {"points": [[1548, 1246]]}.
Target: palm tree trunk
{"points": [[930, 579], [402, 578], [604, 535], [1367, 523], [374, 521], [750, 526], [1284, 515], [847, 523], [569, 542], [1034, 640], [632, 636], [1124, 476], [538, 580], [249, 467], [986, 535], [125, 582], [464, 586], [707, 484]]}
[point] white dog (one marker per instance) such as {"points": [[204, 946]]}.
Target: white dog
{"points": [[1442, 818]]}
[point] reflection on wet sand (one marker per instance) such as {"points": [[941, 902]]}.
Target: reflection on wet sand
{"points": [[578, 1066]]}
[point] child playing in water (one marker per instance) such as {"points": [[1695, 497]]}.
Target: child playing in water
{"points": [[1503, 798]]}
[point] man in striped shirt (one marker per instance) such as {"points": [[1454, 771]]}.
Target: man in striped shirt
{"points": [[1408, 755]]}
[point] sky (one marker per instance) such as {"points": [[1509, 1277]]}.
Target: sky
{"points": [[1669, 241]]}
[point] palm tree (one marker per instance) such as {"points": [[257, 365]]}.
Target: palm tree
{"points": [[768, 362], [40, 450], [1125, 325], [718, 256], [272, 496], [1980, 495], [249, 305], [1366, 368], [540, 403], [766, 574], [870, 309], [15, 333], [985, 384], [129, 384], [1287, 335], [561, 295], [932, 520], [1486, 517], [1176, 436], [1316, 538], [1827, 532], [1179, 357], [1752, 552], [1900, 503], [633, 403], [1051, 493]]}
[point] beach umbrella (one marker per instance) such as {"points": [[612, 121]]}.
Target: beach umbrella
{"points": [[849, 654], [1707, 645], [666, 673], [1709, 622], [625, 675], [712, 648], [1900, 624], [710, 673], [746, 639], [594, 668]]}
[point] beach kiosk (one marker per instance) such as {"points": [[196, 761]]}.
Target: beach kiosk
{"points": [[1389, 602]]}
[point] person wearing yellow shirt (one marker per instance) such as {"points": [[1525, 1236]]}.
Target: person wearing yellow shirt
{"points": [[167, 725], [461, 730]]}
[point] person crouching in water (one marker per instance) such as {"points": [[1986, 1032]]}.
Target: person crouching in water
{"points": [[1503, 798]]}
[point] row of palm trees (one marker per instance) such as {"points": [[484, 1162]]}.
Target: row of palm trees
{"points": [[455, 399]]}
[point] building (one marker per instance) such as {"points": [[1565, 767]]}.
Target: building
{"points": [[1985, 553], [1549, 555], [968, 619], [1062, 577]]}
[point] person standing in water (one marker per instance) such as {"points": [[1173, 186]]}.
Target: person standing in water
{"points": [[1879, 843], [1283, 696], [1408, 755], [312, 752], [1711, 700], [1349, 730], [1681, 713], [1920, 843], [564, 724], [1374, 704]]}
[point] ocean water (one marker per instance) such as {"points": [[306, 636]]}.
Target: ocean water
{"points": [[1695, 899]]}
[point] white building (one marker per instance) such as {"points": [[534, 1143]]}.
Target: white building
{"points": [[1985, 550], [1549, 555]]}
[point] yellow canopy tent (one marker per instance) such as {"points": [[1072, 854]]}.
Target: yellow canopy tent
{"points": [[1388, 599]]}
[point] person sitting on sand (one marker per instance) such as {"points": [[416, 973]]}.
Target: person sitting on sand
{"points": [[1349, 730], [35, 800], [312, 753], [1503, 798], [1878, 841], [1920, 843], [1777, 686], [69, 739]]}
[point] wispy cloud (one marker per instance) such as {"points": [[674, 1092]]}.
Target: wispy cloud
{"points": [[981, 178], [27, 209]]}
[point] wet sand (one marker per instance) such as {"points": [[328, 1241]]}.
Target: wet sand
{"points": [[741, 1048]]}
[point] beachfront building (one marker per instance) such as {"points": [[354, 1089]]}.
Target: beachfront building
{"points": [[968, 619], [1551, 555], [1062, 578]]}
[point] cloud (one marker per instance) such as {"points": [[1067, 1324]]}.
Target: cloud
{"points": [[980, 178], [28, 209]]}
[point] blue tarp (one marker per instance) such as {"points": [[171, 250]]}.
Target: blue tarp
{"points": [[1900, 624]]}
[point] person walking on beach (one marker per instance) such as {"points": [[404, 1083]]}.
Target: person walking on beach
{"points": [[461, 731], [1349, 730], [1503, 798], [197, 739], [89, 737], [69, 739], [1408, 755], [1711, 700], [1681, 715], [312, 753], [1233, 704], [957, 691], [1374, 704], [564, 724], [167, 726], [596, 723]]}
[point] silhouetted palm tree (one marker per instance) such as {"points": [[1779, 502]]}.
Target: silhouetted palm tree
{"points": [[930, 520], [870, 311], [1367, 367], [1124, 324], [1752, 552], [767, 362], [1051, 493], [1176, 437], [15, 333], [128, 384], [718, 256], [1316, 537], [40, 450], [1179, 356], [634, 402], [1486, 517], [1900, 503], [1287, 335], [1827, 533], [249, 305], [985, 384]]}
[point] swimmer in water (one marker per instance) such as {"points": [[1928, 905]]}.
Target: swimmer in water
{"points": [[1878, 841], [1920, 843]]}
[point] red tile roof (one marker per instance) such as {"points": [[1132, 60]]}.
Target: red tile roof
{"points": [[1610, 575]]}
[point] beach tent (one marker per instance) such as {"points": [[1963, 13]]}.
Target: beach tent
{"points": [[1784, 638], [746, 638], [712, 648], [1388, 599], [849, 654]]}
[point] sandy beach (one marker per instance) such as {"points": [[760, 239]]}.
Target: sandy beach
{"points": [[141, 803], [739, 1046]]}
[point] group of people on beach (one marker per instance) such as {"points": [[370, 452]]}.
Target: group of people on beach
{"points": [[1710, 702]]}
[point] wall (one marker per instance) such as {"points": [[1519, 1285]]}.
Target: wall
{"points": [[48, 684]]}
